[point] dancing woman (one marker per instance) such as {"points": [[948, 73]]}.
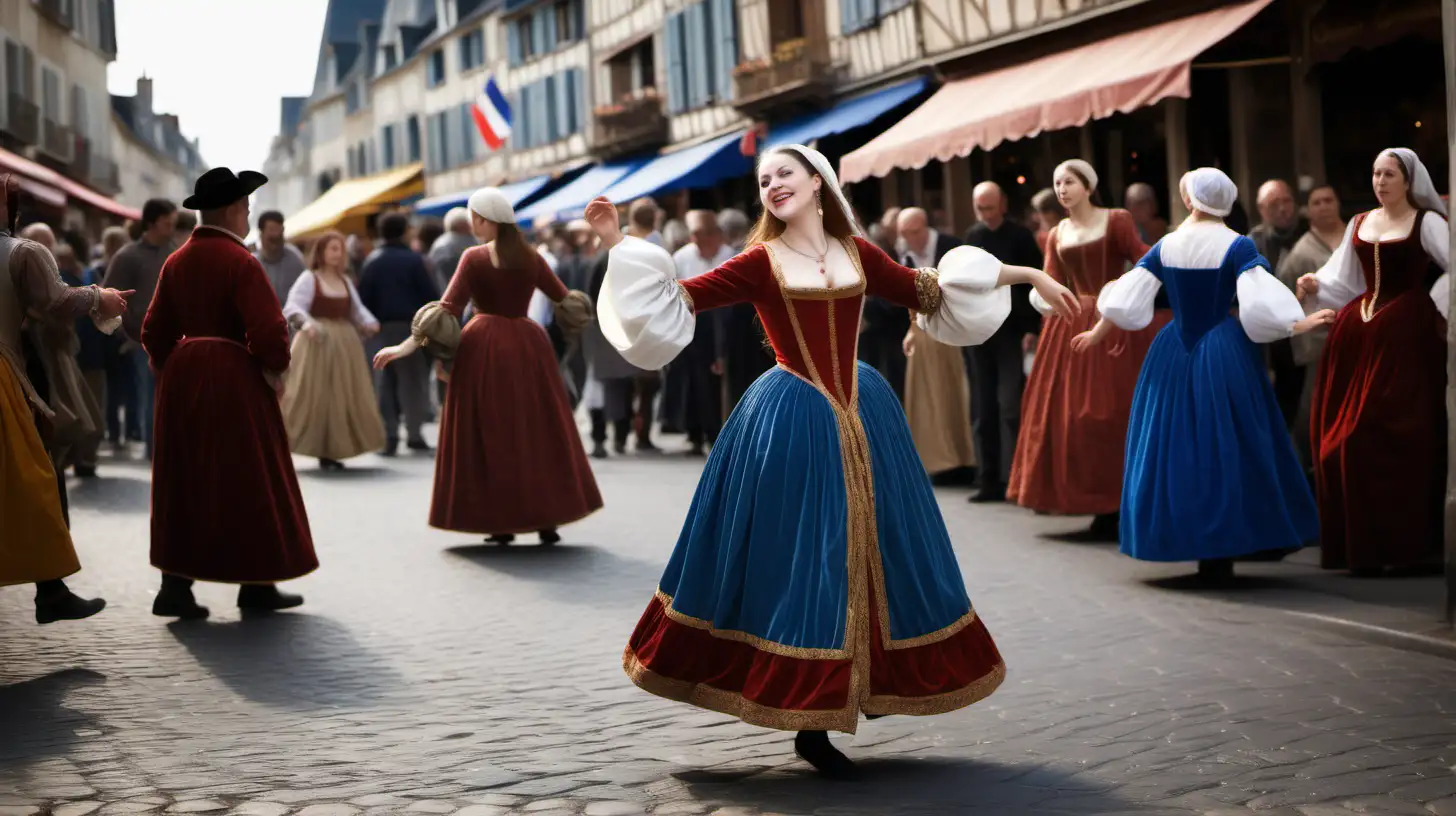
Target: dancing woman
{"points": [[1211, 474], [329, 406], [1378, 418], [510, 458], [1074, 413], [814, 579]]}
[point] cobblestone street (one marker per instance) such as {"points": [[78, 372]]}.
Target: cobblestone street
{"points": [[428, 674]]}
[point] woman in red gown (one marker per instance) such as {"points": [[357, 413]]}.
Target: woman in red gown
{"points": [[1378, 420], [510, 457], [1075, 411]]}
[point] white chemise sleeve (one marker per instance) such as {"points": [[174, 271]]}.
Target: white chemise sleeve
{"points": [[1436, 239], [641, 310], [1039, 304], [300, 300], [1127, 302], [972, 307], [1340, 280], [1267, 309]]}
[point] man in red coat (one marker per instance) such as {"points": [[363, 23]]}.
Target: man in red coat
{"points": [[225, 500]]}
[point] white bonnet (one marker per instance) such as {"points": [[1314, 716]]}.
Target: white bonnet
{"points": [[1083, 168], [492, 205], [1210, 190]]}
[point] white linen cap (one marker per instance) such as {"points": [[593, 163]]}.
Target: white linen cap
{"points": [[1083, 169], [1210, 190], [492, 205]]}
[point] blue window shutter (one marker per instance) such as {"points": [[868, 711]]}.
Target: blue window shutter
{"points": [[848, 16], [468, 134], [725, 32], [869, 12], [539, 43], [452, 130], [543, 114], [676, 77], [555, 109], [696, 35], [579, 11], [513, 43], [546, 18], [576, 83], [432, 131]]}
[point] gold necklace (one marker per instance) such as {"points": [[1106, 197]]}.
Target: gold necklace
{"points": [[1367, 305], [819, 258]]}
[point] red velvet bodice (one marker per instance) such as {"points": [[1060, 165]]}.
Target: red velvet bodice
{"points": [[814, 332], [499, 290]]}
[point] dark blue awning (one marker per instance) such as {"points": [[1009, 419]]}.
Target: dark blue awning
{"points": [[701, 165], [514, 193], [571, 200], [846, 115]]}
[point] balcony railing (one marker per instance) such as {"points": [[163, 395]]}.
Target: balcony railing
{"points": [[23, 121], [58, 141], [105, 176], [633, 125], [57, 11], [799, 69]]}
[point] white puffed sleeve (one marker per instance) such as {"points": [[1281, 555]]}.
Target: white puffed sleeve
{"points": [[642, 311], [1436, 239], [1267, 309], [1340, 280], [972, 307], [300, 300], [1127, 302]]}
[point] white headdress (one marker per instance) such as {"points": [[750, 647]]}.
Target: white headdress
{"points": [[1423, 190], [1083, 169], [492, 205], [821, 166], [1210, 190]]}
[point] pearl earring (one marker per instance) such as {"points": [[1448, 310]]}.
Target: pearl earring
{"points": [[819, 204]]}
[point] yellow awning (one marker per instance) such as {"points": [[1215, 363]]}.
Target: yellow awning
{"points": [[355, 197]]}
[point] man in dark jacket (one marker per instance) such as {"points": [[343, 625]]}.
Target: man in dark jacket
{"points": [[393, 284], [998, 374], [883, 324], [91, 351]]}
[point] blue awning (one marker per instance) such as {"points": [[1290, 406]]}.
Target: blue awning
{"points": [[846, 115], [515, 193], [701, 165], [571, 200]]}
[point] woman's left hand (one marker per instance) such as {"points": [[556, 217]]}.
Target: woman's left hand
{"points": [[1323, 317], [387, 355]]}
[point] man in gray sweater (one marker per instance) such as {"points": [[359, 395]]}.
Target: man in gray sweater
{"points": [[137, 266], [280, 260]]}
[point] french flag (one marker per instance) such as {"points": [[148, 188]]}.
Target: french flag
{"points": [[492, 115]]}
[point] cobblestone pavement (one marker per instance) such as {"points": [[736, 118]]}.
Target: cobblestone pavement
{"points": [[427, 674]]}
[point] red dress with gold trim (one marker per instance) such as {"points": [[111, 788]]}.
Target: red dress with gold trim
{"points": [[814, 579]]}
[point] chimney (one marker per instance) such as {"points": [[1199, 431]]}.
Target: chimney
{"points": [[144, 93]]}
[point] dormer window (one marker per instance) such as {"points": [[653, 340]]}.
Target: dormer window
{"points": [[391, 57]]}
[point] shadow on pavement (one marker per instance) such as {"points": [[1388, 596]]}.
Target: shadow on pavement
{"points": [[290, 660], [111, 494], [34, 719], [905, 784], [563, 569], [351, 472], [1235, 586]]}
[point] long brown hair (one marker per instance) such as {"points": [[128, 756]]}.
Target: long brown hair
{"points": [[316, 254], [836, 220], [511, 247]]}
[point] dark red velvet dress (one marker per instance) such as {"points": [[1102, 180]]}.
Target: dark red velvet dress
{"points": [[1378, 419], [510, 457], [225, 500]]}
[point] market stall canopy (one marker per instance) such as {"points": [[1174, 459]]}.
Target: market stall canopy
{"points": [[1064, 90], [516, 192], [702, 165], [846, 115], [355, 198], [50, 187], [571, 199]]}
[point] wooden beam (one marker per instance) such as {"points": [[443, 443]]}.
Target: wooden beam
{"points": [[1306, 93], [1175, 134], [1241, 134]]}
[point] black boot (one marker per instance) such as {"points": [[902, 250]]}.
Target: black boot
{"points": [[549, 536], [175, 600], [814, 748], [1104, 527], [1215, 571], [990, 493], [266, 598], [502, 539], [54, 601]]}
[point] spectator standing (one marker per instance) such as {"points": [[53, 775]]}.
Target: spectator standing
{"points": [[283, 263], [1280, 228]]}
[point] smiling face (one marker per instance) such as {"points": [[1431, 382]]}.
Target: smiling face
{"points": [[1389, 181], [1071, 190], [785, 186]]}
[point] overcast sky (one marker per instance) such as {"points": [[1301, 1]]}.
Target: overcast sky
{"points": [[220, 65]]}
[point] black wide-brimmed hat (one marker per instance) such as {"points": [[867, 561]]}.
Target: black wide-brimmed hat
{"points": [[218, 187]]}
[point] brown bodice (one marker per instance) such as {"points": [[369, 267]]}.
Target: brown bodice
{"points": [[1086, 268], [502, 291], [1404, 264], [329, 307]]}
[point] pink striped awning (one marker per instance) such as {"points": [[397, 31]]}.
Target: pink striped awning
{"points": [[1116, 75]]}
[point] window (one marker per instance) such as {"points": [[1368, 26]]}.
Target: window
{"points": [[547, 29], [468, 133], [472, 50], [632, 71], [522, 40], [386, 140], [80, 121], [855, 15], [412, 139], [50, 94], [19, 70], [550, 109], [391, 57], [568, 24], [701, 46], [352, 101], [435, 68]]}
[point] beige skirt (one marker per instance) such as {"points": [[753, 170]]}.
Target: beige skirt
{"points": [[328, 399], [938, 405]]}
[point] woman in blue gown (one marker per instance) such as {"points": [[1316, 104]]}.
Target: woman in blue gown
{"points": [[1211, 474]]}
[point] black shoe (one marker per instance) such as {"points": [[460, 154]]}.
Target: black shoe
{"points": [[418, 445], [990, 494], [549, 536], [1269, 556], [1105, 527], [175, 601], [599, 451], [696, 450], [620, 448], [502, 539], [266, 598], [814, 748], [646, 446], [391, 448], [65, 605], [85, 471], [330, 464], [1215, 571]]}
